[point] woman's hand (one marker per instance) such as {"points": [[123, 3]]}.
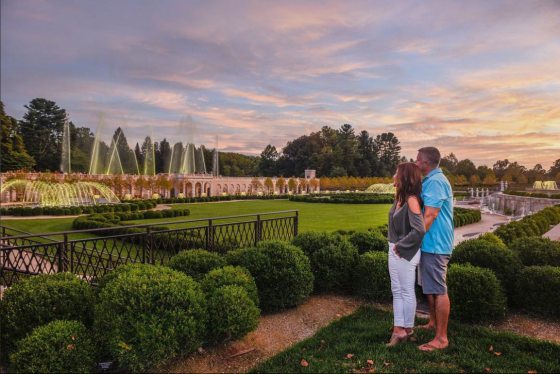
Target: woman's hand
{"points": [[396, 251]]}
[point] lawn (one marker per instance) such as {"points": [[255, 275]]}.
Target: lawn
{"points": [[347, 344], [313, 216]]}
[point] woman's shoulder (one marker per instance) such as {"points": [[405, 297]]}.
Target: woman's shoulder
{"points": [[414, 204]]}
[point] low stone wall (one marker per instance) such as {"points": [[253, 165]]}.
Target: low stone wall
{"points": [[518, 205]]}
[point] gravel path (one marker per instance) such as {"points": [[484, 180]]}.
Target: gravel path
{"points": [[554, 233], [489, 222]]}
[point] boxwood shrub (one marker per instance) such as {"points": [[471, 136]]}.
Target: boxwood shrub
{"points": [[231, 313], [40, 299], [475, 294], [231, 276], [537, 251], [57, 347], [369, 241], [196, 262], [333, 266], [312, 241], [149, 314], [372, 279], [282, 273], [492, 238], [501, 260], [533, 225], [537, 290]]}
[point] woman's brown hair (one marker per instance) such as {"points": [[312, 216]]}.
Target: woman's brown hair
{"points": [[409, 182]]}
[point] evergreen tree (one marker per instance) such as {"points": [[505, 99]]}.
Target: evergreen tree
{"points": [[13, 155], [267, 161], [389, 150]]}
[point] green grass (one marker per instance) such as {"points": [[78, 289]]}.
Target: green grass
{"points": [[313, 216], [365, 333]]}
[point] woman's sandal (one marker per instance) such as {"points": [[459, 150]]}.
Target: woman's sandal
{"points": [[396, 339]]}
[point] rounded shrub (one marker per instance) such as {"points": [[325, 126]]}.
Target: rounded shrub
{"points": [[537, 290], [231, 276], [501, 260], [231, 313], [492, 238], [40, 299], [282, 273], [333, 266], [369, 241], [537, 251], [475, 294], [196, 262], [149, 314], [372, 279], [57, 347], [311, 241]]}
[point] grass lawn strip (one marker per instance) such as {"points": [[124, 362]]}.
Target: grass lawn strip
{"points": [[347, 344]]}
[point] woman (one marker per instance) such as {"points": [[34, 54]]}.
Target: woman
{"points": [[406, 230]]}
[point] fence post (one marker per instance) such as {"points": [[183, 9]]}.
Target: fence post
{"points": [[210, 236], [258, 232], [296, 223], [147, 245], [66, 244], [62, 255]]}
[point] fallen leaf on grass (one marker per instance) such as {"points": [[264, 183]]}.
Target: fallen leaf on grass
{"points": [[304, 363], [497, 353], [338, 315], [70, 347], [370, 362], [487, 370], [491, 348], [385, 363], [349, 355], [532, 372]]}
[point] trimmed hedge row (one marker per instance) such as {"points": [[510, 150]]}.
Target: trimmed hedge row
{"points": [[347, 198], [206, 199], [533, 194], [533, 225], [75, 210], [108, 220], [462, 216]]}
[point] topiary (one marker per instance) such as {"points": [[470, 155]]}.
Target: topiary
{"points": [[333, 266], [196, 262], [231, 276], [537, 251], [492, 238], [282, 273], [475, 294], [57, 347], [371, 278], [369, 241], [149, 314], [231, 313], [502, 261], [537, 290], [40, 299]]}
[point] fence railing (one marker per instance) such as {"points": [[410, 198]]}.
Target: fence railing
{"points": [[90, 257]]}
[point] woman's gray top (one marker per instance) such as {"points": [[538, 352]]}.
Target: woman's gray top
{"points": [[406, 230]]}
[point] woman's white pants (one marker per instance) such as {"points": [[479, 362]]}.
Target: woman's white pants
{"points": [[403, 275]]}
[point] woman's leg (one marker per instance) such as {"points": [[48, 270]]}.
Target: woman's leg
{"points": [[407, 276], [398, 311]]}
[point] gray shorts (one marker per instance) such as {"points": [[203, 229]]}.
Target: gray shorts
{"points": [[432, 273]]}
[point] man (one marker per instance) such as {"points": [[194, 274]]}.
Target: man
{"points": [[437, 244]]}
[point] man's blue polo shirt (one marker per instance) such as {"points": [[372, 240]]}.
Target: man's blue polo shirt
{"points": [[437, 193]]}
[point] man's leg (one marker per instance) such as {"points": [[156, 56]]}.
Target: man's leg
{"points": [[433, 316], [442, 307]]}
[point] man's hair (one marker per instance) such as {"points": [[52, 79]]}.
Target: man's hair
{"points": [[431, 154]]}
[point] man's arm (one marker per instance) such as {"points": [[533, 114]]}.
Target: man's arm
{"points": [[430, 214]]}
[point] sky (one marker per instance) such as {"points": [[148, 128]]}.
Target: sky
{"points": [[480, 79]]}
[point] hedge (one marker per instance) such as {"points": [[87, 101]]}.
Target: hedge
{"points": [[533, 194], [149, 314], [534, 225], [537, 251], [196, 262], [75, 210], [346, 198], [502, 261], [475, 294], [333, 266], [462, 216], [537, 290], [281, 271], [40, 299], [371, 278], [369, 241], [57, 347], [231, 313], [231, 276], [205, 199]]}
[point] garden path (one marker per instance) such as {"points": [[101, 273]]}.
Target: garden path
{"points": [[488, 223], [554, 233]]}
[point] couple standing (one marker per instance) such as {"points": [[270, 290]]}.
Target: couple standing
{"points": [[420, 236]]}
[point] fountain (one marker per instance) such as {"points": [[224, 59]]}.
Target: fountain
{"points": [[44, 193], [381, 188], [545, 185]]}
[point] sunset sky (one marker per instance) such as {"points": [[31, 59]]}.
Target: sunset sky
{"points": [[477, 78]]}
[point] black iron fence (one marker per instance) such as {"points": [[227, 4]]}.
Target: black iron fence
{"points": [[90, 256]]}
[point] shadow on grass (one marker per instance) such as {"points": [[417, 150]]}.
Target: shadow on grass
{"points": [[365, 333]]}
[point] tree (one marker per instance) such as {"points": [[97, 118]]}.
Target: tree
{"points": [[13, 155], [163, 156], [347, 146], [42, 128], [389, 149], [461, 180], [368, 158], [292, 185], [500, 168], [281, 184], [449, 162], [269, 185], [338, 171], [554, 169], [466, 167], [489, 179], [482, 171], [537, 173], [126, 155], [148, 155], [267, 162], [474, 180]]}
